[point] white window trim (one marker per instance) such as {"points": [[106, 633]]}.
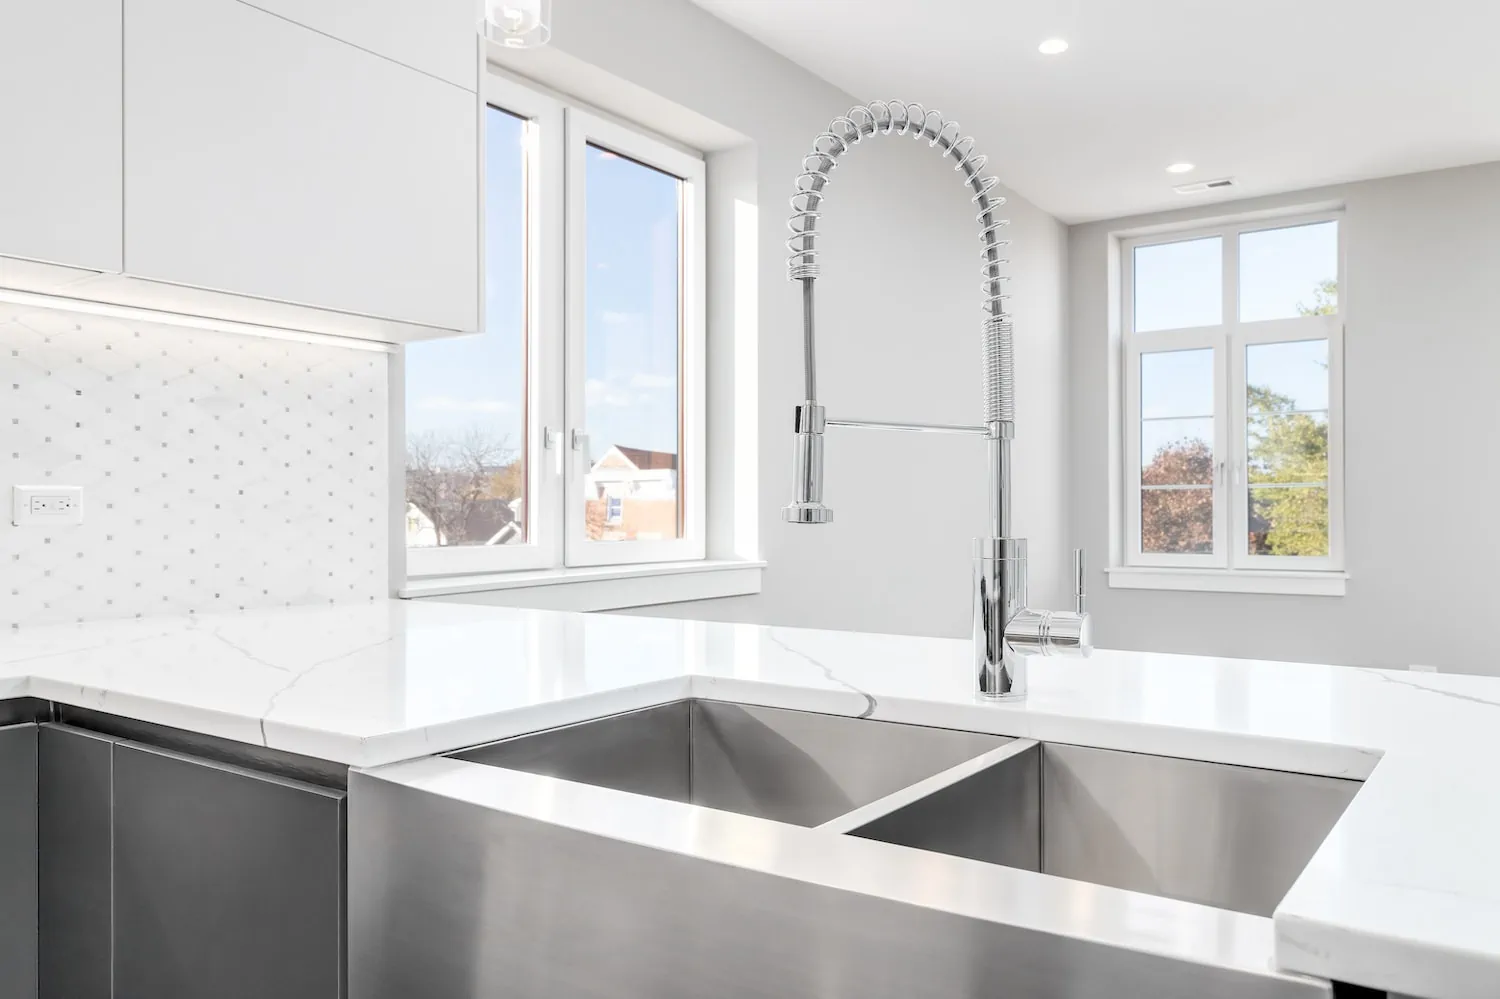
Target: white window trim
{"points": [[557, 548], [1299, 582], [597, 588], [1228, 569]]}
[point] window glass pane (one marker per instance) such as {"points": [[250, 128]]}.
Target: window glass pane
{"points": [[1177, 383], [1177, 422], [1179, 285], [1288, 520], [1177, 452], [466, 397], [633, 321], [1286, 442], [1287, 376], [1177, 521], [1289, 272]]}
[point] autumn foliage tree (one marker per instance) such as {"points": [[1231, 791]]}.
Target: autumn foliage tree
{"points": [[1178, 520]]}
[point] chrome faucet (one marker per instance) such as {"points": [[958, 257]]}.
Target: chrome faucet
{"points": [[1006, 629]]}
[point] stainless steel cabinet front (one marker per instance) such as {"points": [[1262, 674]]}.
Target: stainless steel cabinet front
{"points": [[18, 862], [227, 883], [75, 771]]}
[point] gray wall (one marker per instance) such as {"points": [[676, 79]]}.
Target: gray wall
{"points": [[899, 328], [1422, 398]]}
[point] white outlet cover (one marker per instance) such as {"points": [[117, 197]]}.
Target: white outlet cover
{"points": [[40, 506]]}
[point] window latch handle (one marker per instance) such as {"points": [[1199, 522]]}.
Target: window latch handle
{"points": [[580, 440]]}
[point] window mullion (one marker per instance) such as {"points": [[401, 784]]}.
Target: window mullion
{"points": [[1226, 505], [1236, 510]]}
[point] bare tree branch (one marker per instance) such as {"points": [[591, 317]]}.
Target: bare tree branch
{"points": [[448, 476]]}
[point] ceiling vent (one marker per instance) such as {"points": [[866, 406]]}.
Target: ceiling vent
{"points": [[1205, 186]]}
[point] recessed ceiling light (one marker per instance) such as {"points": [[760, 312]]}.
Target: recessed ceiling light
{"points": [[1180, 168], [1053, 46]]}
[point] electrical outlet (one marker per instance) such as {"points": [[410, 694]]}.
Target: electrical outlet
{"points": [[37, 506]]}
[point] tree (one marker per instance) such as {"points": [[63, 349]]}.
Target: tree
{"points": [[510, 481], [1285, 447], [449, 477], [1325, 299], [1178, 520]]}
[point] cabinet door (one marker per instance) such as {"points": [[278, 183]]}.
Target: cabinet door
{"points": [[266, 159], [440, 37], [75, 776], [227, 883], [60, 197], [18, 862]]}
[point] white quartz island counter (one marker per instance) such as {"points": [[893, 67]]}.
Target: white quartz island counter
{"points": [[1403, 895]]}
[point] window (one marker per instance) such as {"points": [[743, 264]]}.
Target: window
{"points": [[570, 430], [1233, 381]]}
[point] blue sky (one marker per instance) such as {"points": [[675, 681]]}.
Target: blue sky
{"points": [[630, 304], [1180, 285]]}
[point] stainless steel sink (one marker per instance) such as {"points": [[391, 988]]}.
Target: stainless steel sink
{"points": [[790, 766], [518, 867], [1231, 837]]}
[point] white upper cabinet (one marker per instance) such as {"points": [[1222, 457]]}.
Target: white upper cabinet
{"points": [[439, 37], [60, 132], [268, 160]]}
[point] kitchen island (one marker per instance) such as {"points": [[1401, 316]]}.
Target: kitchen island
{"points": [[1402, 895]]}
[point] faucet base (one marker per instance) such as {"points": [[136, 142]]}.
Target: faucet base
{"points": [[1015, 694], [999, 595]]}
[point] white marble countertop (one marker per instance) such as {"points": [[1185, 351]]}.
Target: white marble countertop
{"points": [[1403, 895]]}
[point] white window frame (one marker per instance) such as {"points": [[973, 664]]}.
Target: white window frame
{"points": [[554, 341], [585, 129], [1229, 340]]}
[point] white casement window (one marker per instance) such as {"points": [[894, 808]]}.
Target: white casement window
{"points": [[570, 430], [1233, 389]]}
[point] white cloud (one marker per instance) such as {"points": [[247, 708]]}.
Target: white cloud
{"points": [[611, 318], [448, 404], [644, 381], [598, 392]]}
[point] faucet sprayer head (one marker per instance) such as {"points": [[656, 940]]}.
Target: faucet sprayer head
{"points": [[807, 469]]}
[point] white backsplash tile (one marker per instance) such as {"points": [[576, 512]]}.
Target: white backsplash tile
{"points": [[219, 471]]}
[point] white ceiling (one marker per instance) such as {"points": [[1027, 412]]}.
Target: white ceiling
{"points": [[1279, 94]]}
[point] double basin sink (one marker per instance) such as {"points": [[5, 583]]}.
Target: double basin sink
{"points": [[1225, 836], [706, 848]]}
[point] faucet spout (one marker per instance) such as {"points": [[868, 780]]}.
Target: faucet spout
{"points": [[1006, 630]]}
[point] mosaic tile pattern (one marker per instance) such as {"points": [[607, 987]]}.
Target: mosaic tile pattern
{"points": [[220, 472]]}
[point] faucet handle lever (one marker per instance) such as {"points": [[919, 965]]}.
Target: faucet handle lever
{"points": [[1079, 591]]}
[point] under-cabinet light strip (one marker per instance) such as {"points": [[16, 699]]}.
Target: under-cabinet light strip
{"points": [[80, 306]]}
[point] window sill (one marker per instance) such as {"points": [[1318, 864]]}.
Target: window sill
{"points": [[1305, 583], [597, 588]]}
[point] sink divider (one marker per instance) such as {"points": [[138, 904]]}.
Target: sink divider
{"points": [[864, 815]]}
